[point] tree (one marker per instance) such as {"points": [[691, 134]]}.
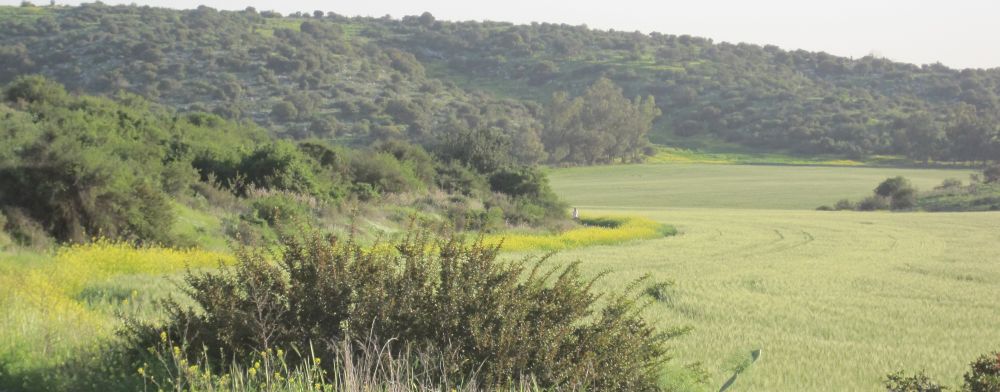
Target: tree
{"points": [[901, 194], [892, 185], [598, 127], [284, 111], [919, 136]]}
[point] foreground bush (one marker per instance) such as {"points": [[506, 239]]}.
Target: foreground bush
{"points": [[901, 382], [983, 376], [503, 320]]}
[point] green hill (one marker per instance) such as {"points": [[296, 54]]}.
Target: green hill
{"points": [[359, 79]]}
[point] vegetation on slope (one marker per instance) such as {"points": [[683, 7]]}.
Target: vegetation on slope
{"points": [[79, 167], [322, 74], [897, 193], [303, 77]]}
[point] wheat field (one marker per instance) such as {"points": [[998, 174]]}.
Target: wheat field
{"points": [[835, 300]]}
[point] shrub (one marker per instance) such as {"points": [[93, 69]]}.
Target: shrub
{"points": [[279, 166], [384, 173], [901, 382], [504, 320], [413, 156], [279, 208], [985, 374], [523, 181], [991, 174], [4, 237], [178, 177], [843, 204], [528, 197], [892, 185], [454, 177], [903, 199], [34, 88], [949, 183], [872, 203]]}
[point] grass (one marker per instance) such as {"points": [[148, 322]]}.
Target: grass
{"points": [[200, 227], [57, 306], [678, 155], [835, 300], [638, 187]]}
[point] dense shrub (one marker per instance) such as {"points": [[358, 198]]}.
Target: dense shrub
{"points": [[892, 185], [454, 177], [949, 183], [384, 173], [903, 199], [985, 374], [900, 193], [276, 209], [901, 382], [843, 204], [872, 203], [411, 155], [504, 320], [992, 174], [281, 166]]}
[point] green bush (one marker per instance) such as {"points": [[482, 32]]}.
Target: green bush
{"points": [[950, 183], [411, 155], [903, 199], [901, 382], [526, 196], [843, 204], [34, 88], [178, 176], [279, 208], [453, 177], [900, 193], [279, 166], [991, 174], [985, 374], [384, 173], [892, 185], [872, 203], [503, 320]]}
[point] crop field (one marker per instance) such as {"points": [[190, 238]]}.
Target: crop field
{"points": [[835, 300], [729, 186]]}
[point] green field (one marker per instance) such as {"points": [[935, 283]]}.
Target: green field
{"points": [[728, 186], [835, 300]]}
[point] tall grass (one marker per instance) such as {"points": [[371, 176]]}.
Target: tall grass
{"points": [[360, 366], [595, 231]]}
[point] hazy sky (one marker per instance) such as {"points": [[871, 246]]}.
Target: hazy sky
{"points": [[958, 33]]}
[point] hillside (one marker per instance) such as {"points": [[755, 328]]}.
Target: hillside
{"points": [[360, 79], [74, 168]]}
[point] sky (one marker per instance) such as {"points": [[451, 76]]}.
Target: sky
{"points": [[957, 33]]}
